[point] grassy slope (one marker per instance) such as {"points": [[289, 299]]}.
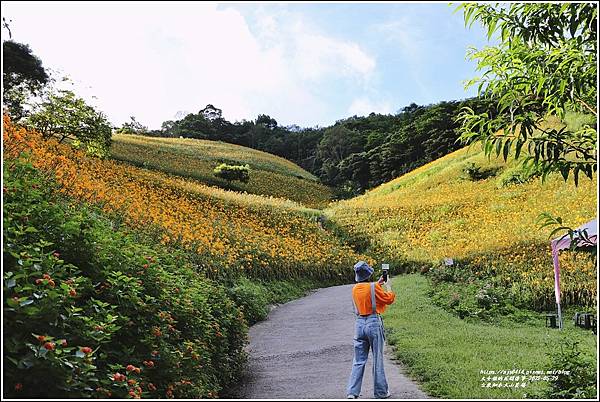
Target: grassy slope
{"points": [[270, 175], [438, 213], [446, 353], [433, 212]]}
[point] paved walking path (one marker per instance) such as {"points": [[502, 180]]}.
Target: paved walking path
{"points": [[304, 350]]}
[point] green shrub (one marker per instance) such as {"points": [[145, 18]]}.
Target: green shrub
{"points": [[251, 298], [579, 378], [449, 273], [67, 116], [458, 290], [233, 172], [87, 306], [282, 291], [474, 172]]}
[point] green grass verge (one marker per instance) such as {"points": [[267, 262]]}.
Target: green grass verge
{"points": [[446, 353]]}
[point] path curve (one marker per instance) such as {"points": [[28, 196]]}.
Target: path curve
{"points": [[304, 350]]}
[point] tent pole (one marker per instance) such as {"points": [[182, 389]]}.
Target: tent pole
{"points": [[560, 324]]}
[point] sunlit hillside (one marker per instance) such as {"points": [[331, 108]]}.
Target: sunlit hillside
{"points": [[270, 175], [257, 236], [488, 225]]}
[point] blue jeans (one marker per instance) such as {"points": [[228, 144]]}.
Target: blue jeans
{"points": [[368, 335]]}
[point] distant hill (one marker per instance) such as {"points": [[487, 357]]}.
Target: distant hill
{"points": [[270, 175]]}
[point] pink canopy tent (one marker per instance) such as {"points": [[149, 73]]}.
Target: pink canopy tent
{"points": [[564, 242]]}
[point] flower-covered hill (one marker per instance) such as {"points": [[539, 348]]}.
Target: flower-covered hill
{"points": [[484, 214], [231, 233], [270, 175]]}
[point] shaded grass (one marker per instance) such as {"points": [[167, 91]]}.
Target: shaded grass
{"points": [[446, 353]]}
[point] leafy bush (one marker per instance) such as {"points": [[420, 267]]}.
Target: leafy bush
{"points": [[64, 115], [233, 172], [254, 297], [459, 290], [580, 382], [474, 172], [251, 298], [449, 273], [89, 311], [488, 295]]}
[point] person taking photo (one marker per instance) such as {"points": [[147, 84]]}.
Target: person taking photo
{"points": [[370, 300]]}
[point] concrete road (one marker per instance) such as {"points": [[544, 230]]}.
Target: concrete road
{"points": [[304, 350]]}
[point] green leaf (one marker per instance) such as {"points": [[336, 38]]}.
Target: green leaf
{"points": [[506, 149], [564, 171], [491, 29], [559, 229], [518, 147], [573, 24], [32, 311], [11, 302], [540, 84], [498, 146]]}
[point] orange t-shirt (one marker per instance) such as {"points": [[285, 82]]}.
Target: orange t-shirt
{"points": [[361, 293]]}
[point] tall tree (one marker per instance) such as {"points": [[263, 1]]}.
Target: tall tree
{"points": [[66, 116], [543, 66], [211, 113], [132, 127], [266, 121], [22, 76]]}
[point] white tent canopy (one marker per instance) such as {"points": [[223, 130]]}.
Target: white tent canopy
{"points": [[564, 242]]}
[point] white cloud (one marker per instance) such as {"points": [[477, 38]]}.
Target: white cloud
{"points": [[150, 60], [318, 55]]}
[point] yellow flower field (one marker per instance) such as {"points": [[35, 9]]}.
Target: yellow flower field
{"points": [[269, 175], [433, 213], [260, 236]]}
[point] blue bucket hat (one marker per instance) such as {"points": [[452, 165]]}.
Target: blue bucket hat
{"points": [[363, 271]]}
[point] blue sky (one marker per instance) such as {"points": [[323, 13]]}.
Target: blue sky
{"points": [[306, 64]]}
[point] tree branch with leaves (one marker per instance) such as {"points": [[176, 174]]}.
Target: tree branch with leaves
{"points": [[543, 67]]}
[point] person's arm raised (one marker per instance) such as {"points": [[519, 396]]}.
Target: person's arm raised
{"points": [[387, 285]]}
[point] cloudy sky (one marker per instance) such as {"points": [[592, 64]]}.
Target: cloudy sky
{"points": [[301, 63]]}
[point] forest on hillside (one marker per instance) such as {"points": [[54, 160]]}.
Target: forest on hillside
{"points": [[353, 155]]}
